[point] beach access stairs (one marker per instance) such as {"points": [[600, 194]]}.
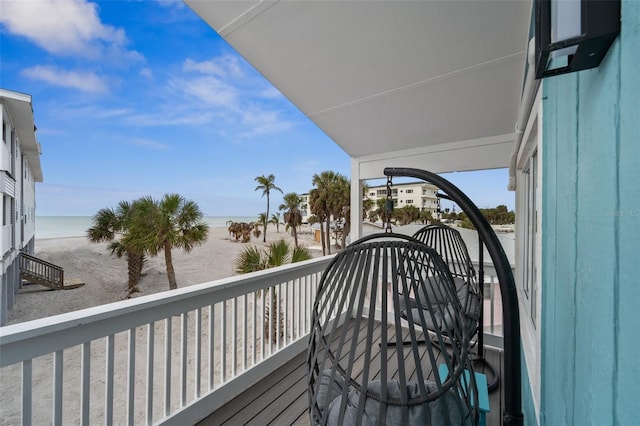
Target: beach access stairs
{"points": [[34, 270]]}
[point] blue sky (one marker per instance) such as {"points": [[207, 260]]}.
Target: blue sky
{"points": [[136, 98]]}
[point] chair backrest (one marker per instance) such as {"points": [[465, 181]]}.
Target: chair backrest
{"points": [[450, 245], [369, 365]]}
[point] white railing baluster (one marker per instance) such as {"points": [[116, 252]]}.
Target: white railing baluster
{"points": [[275, 319], [223, 342], [183, 360], [168, 355], [131, 376], [261, 314], [150, 353], [294, 307], [245, 338], [85, 372], [270, 320], [286, 311], [279, 317], [57, 388], [212, 343], [492, 298], [299, 305], [108, 380], [234, 335], [197, 349], [254, 337], [27, 373], [306, 303]]}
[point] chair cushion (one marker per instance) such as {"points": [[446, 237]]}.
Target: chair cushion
{"points": [[445, 410]]}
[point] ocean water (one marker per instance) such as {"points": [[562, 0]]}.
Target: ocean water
{"points": [[76, 226]]}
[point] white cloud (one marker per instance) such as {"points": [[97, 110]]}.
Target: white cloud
{"points": [[271, 93], [84, 81], [178, 4], [262, 122], [146, 73], [232, 93], [211, 90], [63, 27], [226, 66]]}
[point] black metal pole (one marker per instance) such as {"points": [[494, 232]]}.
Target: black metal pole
{"points": [[481, 281], [512, 414]]}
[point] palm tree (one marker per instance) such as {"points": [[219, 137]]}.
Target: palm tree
{"points": [[292, 215], [327, 199], [320, 204], [107, 224], [262, 220], [367, 203], [172, 222], [266, 184], [340, 205], [277, 254], [275, 219]]}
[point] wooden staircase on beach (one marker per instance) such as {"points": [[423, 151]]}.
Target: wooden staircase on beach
{"points": [[34, 270]]}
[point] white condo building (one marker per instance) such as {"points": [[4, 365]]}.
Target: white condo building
{"points": [[418, 194], [19, 171]]}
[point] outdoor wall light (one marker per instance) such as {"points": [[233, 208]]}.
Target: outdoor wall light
{"points": [[573, 35]]}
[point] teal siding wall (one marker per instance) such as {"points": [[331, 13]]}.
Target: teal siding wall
{"points": [[528, 408], [591, 239]]}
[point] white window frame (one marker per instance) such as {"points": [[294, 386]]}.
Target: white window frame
{"points": [[529, 242]]}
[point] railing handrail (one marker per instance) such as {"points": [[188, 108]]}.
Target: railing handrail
{"points": [[489, 269], [27, 340], [40, 261]]}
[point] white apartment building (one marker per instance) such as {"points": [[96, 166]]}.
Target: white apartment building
{"points": [[418, 194], [19, 171], [305, 210]]}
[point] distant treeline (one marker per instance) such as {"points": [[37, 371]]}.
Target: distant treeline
{"points": [[499, 215]]}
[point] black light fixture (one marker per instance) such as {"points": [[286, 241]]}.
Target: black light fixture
{"points": [[573, 35]]}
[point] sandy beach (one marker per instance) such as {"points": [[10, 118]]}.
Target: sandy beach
{"points": [[105, 276]]}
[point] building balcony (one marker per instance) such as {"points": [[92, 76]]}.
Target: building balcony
{"points": [[197, 354]]}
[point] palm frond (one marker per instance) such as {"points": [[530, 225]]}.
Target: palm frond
{"points": [[299, 254], [278, 253], [250, 260]]}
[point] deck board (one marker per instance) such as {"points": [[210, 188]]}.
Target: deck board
{"points": [[281, 397]]}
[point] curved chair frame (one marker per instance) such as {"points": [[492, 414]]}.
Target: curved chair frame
{"points": [[448, 243], [512, 380], [366, 281]]}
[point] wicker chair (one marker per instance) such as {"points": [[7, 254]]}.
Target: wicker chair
{"points": [[448, 243], [356, 375]]}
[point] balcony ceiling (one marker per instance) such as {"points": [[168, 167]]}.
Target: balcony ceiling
{"points": [[391, 79]]}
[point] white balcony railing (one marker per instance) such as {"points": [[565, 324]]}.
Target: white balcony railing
{"points": [[170, 357], [492, 307]]}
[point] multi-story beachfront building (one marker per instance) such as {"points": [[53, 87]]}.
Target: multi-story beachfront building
{"points": [[419, 194], [305, 210], [19, 171]]}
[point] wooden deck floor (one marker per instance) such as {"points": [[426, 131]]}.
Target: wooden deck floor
{"points": [[281, 397]]}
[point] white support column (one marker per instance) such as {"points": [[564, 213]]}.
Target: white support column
{"points": [[356, 201]]}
